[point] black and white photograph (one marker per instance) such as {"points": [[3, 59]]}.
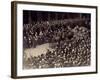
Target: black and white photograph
{"points": [[56, 39], [53, 39]]}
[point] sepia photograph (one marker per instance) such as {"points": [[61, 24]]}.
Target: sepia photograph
{"points": [[53, 39], [56, 39]]}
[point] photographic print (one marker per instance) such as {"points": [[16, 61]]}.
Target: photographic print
{"points": [[56, 39], [53, 39]]}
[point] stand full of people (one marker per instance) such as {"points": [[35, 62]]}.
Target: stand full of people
{"points": [[70, 40]]}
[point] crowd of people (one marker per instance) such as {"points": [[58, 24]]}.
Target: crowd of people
{"points": [[71, 44]]}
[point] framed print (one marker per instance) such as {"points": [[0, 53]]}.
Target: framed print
{"points": [[50, 39]]}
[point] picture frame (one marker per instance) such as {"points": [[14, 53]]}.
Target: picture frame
{"points": [[37, 44]]}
